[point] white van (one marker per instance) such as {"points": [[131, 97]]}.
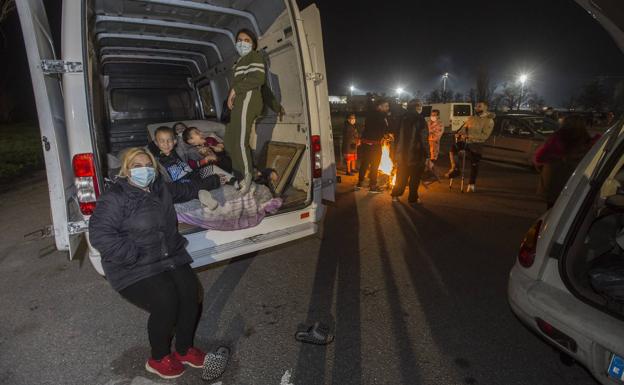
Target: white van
{"points": [[452, 115], [568, 279], [127, 64]]}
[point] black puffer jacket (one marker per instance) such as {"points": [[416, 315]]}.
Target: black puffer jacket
{"points": [[136, 232], [412, 143]]}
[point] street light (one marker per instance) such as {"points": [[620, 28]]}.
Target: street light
{"points": [[444, 79], [399, 91], [352, 88], [523, 79]]}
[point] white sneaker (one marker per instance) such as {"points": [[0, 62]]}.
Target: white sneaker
{"points": [[395, 199], [207, 200], [471, 188]]}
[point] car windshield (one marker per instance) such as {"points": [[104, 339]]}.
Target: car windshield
{"points": [[541, 125]]}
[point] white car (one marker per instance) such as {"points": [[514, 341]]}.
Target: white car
{"points": [[127, 65], [566, 282]]}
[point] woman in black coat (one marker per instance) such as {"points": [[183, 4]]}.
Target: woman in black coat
{"points": [[134, 227]]}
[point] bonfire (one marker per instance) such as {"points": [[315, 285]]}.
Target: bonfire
{"points": [[387, 175]]}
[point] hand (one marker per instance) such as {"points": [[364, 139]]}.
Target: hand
{"points": [[211, 157], [231, 97], [218, 148], [281, 114]]}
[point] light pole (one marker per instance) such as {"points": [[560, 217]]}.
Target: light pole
{"points": [[351, 89], [399, 91], [523, 78], [444, 79]]}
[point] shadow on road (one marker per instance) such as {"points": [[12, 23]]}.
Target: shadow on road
{"points": [[338, 269]]}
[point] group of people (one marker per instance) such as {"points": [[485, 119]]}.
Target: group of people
{"points": [[416, 145], [134, 225]]}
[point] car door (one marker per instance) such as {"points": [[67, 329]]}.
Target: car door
{"points": [[50, 112], [514, 142], [311, 41]]}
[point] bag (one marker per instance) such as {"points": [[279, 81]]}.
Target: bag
{"points": [[606, 277]]}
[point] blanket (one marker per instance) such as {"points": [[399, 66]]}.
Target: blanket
{"points": [[235, 211]]}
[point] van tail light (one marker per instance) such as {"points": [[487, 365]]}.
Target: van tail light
{"points": [[556, 335], [528, 247], [87, 189], [317, 164]]}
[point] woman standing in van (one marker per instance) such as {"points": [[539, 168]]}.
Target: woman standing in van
{"points": [[134, 227], [245, 101]]}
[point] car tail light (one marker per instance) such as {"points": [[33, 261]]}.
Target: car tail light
{"points": [[317, 164], [87, 189], [526, 255], [556, 335]]}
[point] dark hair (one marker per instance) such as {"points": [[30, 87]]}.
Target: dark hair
{"points": [[186, 135], [573, 133], [436, 111], [379, 101], [166, 129], [350, 115], [486, 104], [252, 35], [178, 124]]}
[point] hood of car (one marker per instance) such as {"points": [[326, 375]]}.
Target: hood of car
{"points": [[610, 14]]}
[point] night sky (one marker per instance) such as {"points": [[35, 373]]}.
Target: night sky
{"points": [[380, 45]]}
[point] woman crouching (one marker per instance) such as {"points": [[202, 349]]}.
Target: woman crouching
{"points": [[134, 227]]}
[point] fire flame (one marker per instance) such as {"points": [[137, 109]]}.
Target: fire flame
{"points": [[386, 166]]}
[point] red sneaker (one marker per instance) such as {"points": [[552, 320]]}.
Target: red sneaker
{"points": [[168, 367], [193, 357]]}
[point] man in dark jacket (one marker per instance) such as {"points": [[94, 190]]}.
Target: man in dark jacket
{"points": [[375, 127], [412, 150]]}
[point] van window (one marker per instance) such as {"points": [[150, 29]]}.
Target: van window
{"points": [[169, 101], [207, 100], [461, 110]]}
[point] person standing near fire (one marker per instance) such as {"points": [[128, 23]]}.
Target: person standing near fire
{"points": [[350, 138], [412, 151], [436, 129], [470, 138], [375, 127]]}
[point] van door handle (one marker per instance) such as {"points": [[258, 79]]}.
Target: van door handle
{"points": [[46, 143]]}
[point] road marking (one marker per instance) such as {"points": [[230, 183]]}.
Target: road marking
{"points": [[286, 379]]}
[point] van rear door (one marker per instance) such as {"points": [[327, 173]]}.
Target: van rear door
{"points": [[311, 40], [44, 72]]}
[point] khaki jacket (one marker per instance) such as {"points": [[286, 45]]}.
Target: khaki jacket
{"points": [[479, 128]]}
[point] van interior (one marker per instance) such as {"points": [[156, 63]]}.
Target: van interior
{"points": [[153, 62], [593, 266]]}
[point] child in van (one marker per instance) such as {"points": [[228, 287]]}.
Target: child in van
{"points": [[210, 147], [163, 148]]}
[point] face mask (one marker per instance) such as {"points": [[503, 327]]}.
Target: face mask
{"points": [[433, 118], [419, 109], [243, 48], [142, 176]]}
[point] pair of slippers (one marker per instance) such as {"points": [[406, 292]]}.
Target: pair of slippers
{"points": [[215, 364], [317, 334]]}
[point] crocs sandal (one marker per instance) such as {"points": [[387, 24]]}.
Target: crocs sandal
{"points": [[215, 364], [317, 334]]}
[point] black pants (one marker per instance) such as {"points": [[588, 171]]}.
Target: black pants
{"points": [[171, 298], [370, 156], [473, 155], [409, 174]]}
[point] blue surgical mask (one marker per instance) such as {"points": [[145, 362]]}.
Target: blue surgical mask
{"points": [[243, 48], [142, 176]]}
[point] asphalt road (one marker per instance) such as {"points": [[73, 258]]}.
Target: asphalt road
{"points": [[414, 296]]}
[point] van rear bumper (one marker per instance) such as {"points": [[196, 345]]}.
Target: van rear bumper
{"points": [[597, 334]]}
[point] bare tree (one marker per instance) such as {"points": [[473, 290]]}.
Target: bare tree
{"points": [[483, 85]]}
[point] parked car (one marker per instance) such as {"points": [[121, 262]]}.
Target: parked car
{"points": [[568, 280], [516, 136], [127, 65]]}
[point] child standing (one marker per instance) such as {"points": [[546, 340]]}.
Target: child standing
{"points": [[245, 101]]}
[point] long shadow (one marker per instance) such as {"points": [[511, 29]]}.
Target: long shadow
{"points": [[338, 267], [407, 355], [215, 299]]}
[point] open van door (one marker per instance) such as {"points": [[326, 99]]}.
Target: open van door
{"points": [[44, 72], [311, 40]]}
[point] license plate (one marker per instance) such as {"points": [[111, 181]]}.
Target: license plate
{"points": [[616, 368]]}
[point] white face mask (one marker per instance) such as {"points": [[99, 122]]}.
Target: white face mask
{"points": [[243, 48], [419, 109], [433, 118]]}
